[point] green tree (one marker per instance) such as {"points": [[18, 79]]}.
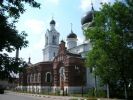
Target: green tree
{"points": [[112, 45], [10, 38]]}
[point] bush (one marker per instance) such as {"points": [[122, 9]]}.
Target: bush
{"points": [[101, 93], [98, 93], [91, 92]]}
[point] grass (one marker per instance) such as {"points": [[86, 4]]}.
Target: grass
{"points": [[84, 99]]}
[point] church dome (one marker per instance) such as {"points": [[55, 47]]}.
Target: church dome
{"points": [[52, 22], [87, 18], [72, 35], [62, 41]]}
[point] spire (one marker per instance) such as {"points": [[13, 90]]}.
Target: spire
{"points": [[92, 8], [71, 27], [29, 60], [52, 21], [72, 34], [52, 24], [52, 17]]}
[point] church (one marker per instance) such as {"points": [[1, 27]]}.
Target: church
{"points": [[63, 67]]}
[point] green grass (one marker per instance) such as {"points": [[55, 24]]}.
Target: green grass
{"points": [[84, 99]]}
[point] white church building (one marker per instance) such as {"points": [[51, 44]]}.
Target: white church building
{"points": [[62, 67]]}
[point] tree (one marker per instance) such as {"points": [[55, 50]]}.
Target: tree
{"points": [[112, 45], [10, 39]]}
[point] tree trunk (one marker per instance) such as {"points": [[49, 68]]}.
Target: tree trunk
{"points": [[95, 86], [107, 90], [125, 90], [17, 53]]}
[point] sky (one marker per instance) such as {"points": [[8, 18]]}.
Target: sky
{"points": [[36, 21]]}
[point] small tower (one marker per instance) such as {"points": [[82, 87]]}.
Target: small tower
{"points": [[87, 20], [71, 39], [51, 42], [29, 62]]}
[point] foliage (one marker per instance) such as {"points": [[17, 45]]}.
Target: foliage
{"points": [[112, 44], [13, 8], [100, 93], [91, 92], [10, 39], [9, 66]]}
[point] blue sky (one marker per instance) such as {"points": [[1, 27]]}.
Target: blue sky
{"points": [[36, 21]]}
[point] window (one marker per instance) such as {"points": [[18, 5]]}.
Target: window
{"points": [[28, 78], [48, 77], [34, 79], [54, 54], [54, 40], [31, 78], [39, 77], [62, 73], [46, 40]]}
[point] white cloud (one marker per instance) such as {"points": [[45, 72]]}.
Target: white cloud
{"points": [[105, 1], [85, 4], [35, 26], [39, 45]]}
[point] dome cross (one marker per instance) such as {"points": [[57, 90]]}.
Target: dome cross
{"points": [[71, 27]]}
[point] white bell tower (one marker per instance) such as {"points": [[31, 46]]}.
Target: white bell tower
{"points": [[51, 43]]}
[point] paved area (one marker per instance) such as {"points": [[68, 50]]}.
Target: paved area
{"points": [[21, 96], [25, 96], [8, 96]]}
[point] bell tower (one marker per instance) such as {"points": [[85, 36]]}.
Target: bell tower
{"points": [[51, 42]]}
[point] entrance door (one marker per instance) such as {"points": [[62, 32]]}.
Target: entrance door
{"points": [[62, 77]]}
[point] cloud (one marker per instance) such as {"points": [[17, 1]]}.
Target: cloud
{"points": [[34, 25], [39, 45], [105, 1], [85, 4]]}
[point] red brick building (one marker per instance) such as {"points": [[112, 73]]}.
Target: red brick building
{"points": [[65, 73]]}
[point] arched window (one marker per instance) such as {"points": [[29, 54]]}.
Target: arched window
{"points": [[54, 54], [39, 77], [54, 40], [34, 78], [46, 40], [28, 78], [31, 78], [48, 77], [62, 73]]}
